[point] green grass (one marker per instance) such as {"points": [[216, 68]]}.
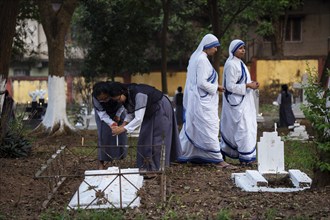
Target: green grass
{"points": [[83, 215], [268, 109], [223, 214], [300, 155], [84, 151]]}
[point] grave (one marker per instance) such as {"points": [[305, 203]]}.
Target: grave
{"points": [[119, 186], [301, 99], [271, 169], [88, 120], [260, 118], [37, 108], [299, 132], [111, 188]]}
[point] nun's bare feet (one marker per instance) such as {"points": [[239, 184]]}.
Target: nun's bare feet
{"points": [[225, 165]]}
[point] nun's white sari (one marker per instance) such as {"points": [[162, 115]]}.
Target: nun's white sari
{"points": [[238, 116], [199, 136]]}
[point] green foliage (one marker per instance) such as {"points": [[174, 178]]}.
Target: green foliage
{"points": [[223, 214], [27, 10], [2, 216], [270, 214], [84, 87], [83, 215], [118, 33], [99, 214], [267, 12], [317, 111], [170, 215], [75, 113], [15, 143]]}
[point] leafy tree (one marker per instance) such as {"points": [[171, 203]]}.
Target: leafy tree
{"points": [[119, 33], [215, 16], [27, 10], [156, 34], [317, 110], [271, 18], [223, 14], [166, 14]]}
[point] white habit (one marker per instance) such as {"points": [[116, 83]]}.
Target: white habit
{"points": [[199, 136], [238, 117]]}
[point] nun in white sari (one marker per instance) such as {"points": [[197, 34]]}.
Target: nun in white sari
{"points": [[238, 122], [199, 136]]}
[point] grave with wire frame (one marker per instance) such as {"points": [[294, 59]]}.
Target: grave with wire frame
{"points": [[68, 178]]}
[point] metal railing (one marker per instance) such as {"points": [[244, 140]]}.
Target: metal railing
{"points": [[70, 163]]}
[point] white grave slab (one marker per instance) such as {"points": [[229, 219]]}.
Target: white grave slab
{"points": [[270, 162], [257, 183], [299, 132], [271, 154], [260, 118], [296, 109], [99, 191]]}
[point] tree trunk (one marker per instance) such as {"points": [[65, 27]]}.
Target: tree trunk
{"points": [[56, 25], [8, 15], [277, 40], [214, 17], [55, 121], [166, 10]]}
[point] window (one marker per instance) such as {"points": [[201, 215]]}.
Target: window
{"points": [[293, 29], [21, 72]]}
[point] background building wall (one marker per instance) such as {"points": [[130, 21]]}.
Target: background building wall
{"points": [[286, 71]]}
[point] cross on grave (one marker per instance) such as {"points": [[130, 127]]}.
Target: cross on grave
{"points": [[297, 85], [301, 99]]}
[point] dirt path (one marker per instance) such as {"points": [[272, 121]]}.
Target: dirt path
{"points": [[194, 192]]}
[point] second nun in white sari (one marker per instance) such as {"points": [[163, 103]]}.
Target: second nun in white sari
{"points": [[199, 135], [238, 116]]}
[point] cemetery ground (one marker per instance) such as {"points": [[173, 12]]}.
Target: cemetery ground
{"points": [[193, 191]]}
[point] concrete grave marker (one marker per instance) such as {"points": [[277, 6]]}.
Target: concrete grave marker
{"points": [[299, 132], [271, 165], [111, 188], [271, 154], [260, 118]]}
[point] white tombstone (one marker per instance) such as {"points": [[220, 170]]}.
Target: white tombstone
{"points": [[33, 95], [111, 188], [270, 163], [271, 154], [41, 93], [300, 100], [299, 132], [260, 118]]}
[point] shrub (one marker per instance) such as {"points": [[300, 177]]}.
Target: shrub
{"points": [[14, 143], [317, 111]]}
